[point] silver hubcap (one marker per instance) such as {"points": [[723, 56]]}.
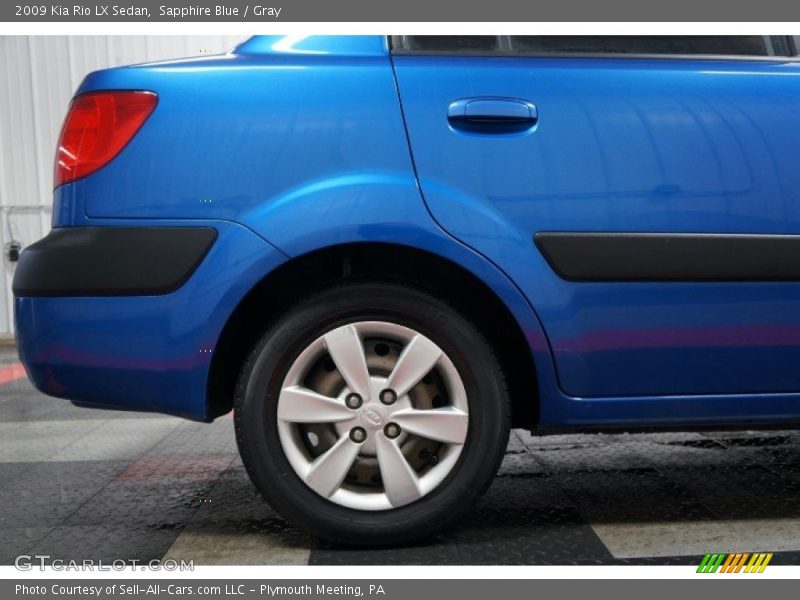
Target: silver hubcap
{"points": [[372, 415]]}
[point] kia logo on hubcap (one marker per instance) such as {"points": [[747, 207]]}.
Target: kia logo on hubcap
{"points": [[372, 417]]}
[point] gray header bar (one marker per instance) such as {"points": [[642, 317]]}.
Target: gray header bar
{"points": [[449, 11]]}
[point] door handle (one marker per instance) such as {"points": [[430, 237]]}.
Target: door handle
{"points": [[492, 115]]}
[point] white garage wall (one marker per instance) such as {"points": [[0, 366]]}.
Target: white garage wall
{"points": [[38, 75]]}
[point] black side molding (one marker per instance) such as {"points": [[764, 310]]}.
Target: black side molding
{"points": [[111, 261], [610, 257]]}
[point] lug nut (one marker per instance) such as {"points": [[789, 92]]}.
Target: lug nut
{"points": [[388, 396], [353, 401], [392, 430], [433, 460], [358, 434]]}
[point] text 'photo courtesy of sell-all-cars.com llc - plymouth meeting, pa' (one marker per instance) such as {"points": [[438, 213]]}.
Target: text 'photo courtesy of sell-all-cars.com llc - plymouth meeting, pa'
{"points": [[384, 252]]}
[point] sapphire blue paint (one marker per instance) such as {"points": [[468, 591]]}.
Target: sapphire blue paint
{"points": [[679, 146], [298, 144], [143, 352]]}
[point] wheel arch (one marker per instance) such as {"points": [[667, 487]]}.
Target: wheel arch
{"points": [[439, 275]]}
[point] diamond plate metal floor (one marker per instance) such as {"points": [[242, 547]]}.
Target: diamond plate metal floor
{"points": [[82, 484]]}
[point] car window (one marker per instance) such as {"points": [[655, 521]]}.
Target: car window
{"points": [[449, 43], [704, 45]]}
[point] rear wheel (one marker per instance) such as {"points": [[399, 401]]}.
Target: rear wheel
{"points": [[372, 413]]}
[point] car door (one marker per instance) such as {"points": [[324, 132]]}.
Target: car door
{"points": [[643, 192]]}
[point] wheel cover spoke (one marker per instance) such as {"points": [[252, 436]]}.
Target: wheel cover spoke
{"points": [[447, 424], [399, 480], [347, 351], [416, 361], [301, 405], [327, 472], [326, 441]]}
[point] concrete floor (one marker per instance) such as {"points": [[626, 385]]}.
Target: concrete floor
{"points": [[79, 484]]}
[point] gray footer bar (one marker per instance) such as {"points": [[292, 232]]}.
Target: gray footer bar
{"points": [[396, 589]]}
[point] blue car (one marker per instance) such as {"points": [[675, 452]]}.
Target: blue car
{"points": [[382, 253]]}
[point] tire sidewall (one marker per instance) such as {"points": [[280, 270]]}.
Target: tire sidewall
{"points": [[262, 379]]}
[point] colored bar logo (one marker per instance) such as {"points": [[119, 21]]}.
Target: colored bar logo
{"points": [[741, 562]]}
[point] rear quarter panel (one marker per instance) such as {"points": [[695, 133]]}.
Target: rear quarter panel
{"points": [[305, 151], [234, 133]]}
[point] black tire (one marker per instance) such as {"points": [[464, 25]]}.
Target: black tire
{"points": [[263, 374]]}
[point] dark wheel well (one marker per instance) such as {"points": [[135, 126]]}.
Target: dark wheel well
{"points": [[430, 272]]}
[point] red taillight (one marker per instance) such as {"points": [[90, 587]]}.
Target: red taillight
{"points": [[97, 127]]}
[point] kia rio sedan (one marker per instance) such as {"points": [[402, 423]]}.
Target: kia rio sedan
{"points": [[382, 254]]}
